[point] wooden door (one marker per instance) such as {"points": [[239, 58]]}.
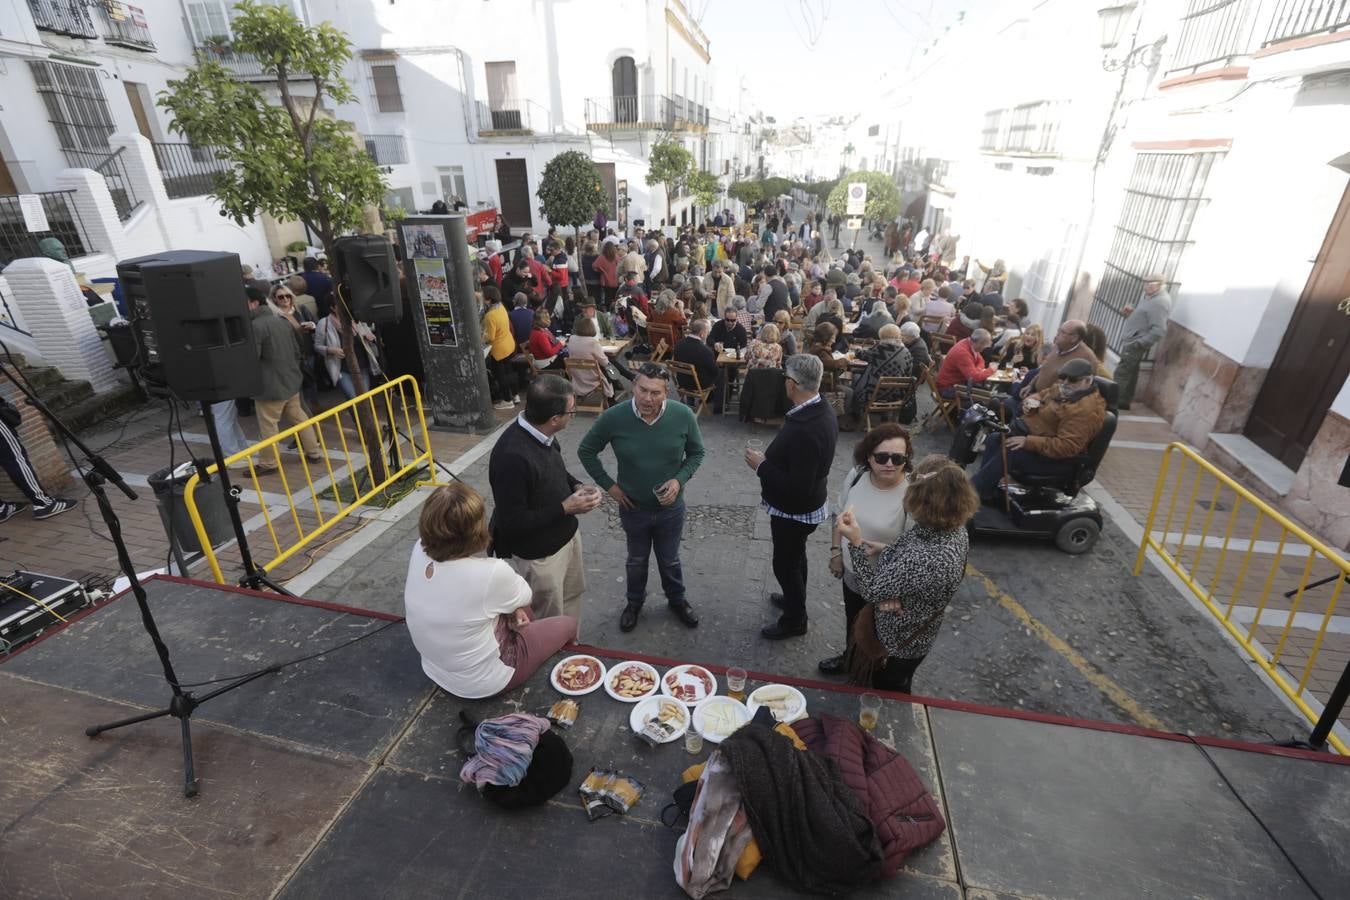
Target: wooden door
{"points": [[1313, 361], [608, 179], [138, 110], [7, 186], [513, 186]]}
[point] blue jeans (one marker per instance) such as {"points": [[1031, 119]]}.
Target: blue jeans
{"points": [[232, 438], [661, 531], [1024, 462]]}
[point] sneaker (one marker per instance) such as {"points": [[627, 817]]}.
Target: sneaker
{"points": [[503, 404], [515, 400], [57, 507], [10, 510]]}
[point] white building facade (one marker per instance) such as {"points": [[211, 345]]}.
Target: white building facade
{"points": [[1209, 142]]}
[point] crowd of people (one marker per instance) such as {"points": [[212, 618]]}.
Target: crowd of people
{"points": [[897, 524]]}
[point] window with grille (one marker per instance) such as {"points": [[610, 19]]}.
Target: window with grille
{"points": [[75, 104], [208, 19], [1165, 192], [991, 135], [384, 86]]}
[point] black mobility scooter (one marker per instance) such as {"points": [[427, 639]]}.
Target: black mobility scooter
{"points": [[1039, 506]]}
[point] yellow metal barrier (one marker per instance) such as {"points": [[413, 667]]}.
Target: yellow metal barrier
{"points": [[1256, 562], [403, 449]]}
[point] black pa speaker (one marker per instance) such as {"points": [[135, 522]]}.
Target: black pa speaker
{"points": [[367, 275], [191, 322]]}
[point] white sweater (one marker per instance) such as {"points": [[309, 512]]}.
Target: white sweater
{"points": [[452, 615]]}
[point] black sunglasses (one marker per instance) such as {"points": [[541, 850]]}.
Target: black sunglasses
{"points": [[652, 370], [891, 459], [1068, 378]]}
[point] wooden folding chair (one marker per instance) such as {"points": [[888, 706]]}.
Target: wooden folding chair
{"points": [[658, 332], [947, 409], [573, 366], [897, 391], [967, 395], [939, 324], [659, 351], [685, 375], [942, 343]]}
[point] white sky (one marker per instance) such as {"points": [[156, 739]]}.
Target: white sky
{"points": [[817, 57]]}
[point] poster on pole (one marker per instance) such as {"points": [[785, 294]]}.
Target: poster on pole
{"points": [[433, 288], [34, 216], [857, 198], [854, 224], [425, 241]]}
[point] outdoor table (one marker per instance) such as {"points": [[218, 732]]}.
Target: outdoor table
{"points": [[614, 346], [1002, 380], [731, 363]]}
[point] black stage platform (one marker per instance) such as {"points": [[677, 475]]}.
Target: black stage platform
{"points": [[337, 778]]}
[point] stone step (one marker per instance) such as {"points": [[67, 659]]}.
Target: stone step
{"points": [[42, 376], [65, 394], [98, 408]]}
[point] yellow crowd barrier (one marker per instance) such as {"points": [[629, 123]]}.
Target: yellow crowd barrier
{"points": [[1262, 576], [318, 495]]}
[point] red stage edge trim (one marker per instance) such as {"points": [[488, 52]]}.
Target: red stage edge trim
{"points": [[979, 709], [60, 627]]}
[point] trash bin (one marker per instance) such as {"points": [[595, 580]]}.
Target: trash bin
{"points": [[168, 487], [123, 341]]}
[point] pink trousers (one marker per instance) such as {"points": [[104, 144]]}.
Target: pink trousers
{"points": [[526, 649]]}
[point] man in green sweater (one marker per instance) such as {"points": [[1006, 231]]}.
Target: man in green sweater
{"points": [[658, 448]]}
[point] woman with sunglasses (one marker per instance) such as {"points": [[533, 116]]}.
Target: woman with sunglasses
{"points": [[874, 489], [302, 323]]}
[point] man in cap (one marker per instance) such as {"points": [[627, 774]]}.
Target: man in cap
{"points": [[1057, 424], [1144, 326]]}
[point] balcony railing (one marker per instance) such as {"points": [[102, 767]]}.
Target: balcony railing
{"points": [[244, 66], [513, 117], [646, 112], [1032, 128], [70, 17], [1300, 18], [1213, 31], [125, 26], [63, 223], [188, 170], [386, 149], [113, 168]]}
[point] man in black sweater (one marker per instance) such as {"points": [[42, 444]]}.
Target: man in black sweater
{"points": [[536, 501], [793, 474], [778, 294], [693, 349], [728, 331]]}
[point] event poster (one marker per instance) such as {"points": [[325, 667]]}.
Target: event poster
{"points": [[434, 290], [425, 241]]}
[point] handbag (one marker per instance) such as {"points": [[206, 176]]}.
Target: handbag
{"points": [[865, 653]]}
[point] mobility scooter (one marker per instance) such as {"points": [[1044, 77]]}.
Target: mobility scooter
{"points": [[1039, 506]]}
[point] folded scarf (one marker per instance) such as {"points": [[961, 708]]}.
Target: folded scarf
{"points": [[505, 745]]}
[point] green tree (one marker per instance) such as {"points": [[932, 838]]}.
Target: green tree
{"points": [[747, 192], [883, 199], [288, 161], [705, 188], [669, 165], [570, 191]]}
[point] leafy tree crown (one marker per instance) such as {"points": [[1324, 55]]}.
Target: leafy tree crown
{"points": [[570, 190], [883, 199]]}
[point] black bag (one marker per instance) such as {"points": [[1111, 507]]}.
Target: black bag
{"points": [[10, 414]]}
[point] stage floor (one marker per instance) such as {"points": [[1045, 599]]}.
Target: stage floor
{"points": [[338, 778]]}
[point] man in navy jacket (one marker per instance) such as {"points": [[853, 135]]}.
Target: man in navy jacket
{"points": [[793, 472]]}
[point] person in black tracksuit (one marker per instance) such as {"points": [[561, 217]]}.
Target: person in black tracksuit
{"points": [[793, 474], [14, 460]]}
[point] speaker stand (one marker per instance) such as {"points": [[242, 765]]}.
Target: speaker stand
{"points": [[254, 577]]}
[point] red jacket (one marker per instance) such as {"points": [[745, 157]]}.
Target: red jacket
{"points": [[542, 275], [543, 344], [905, 815], [495, 264], [962, 364]]}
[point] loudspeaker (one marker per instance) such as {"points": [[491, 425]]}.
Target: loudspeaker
{"points": [[367, 274], [192, 326]]}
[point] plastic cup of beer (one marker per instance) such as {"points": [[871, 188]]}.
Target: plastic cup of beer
{"points": [[693, 741], [736, 683], [869, 708], [755, 444]]}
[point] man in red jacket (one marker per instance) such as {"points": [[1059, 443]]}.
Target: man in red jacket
{"points": [[963, 364]]}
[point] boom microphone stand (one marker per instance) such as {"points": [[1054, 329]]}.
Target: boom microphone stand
{"points": [[101, 472]]}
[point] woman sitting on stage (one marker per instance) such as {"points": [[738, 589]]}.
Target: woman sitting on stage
{"points": [[469, 615]]}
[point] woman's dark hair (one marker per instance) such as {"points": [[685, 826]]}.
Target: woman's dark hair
{"points": [[987, 318], [570, 245], [886, 431], [453, 523], [491, 294], [824, 334], [1021, 307], [939, 495], [610, 251], [1096, 340]]}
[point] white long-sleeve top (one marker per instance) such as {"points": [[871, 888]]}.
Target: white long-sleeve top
{"points": [[452, 609]]}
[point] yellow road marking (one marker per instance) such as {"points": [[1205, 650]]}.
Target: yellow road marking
{"points": [[1114, 692]]}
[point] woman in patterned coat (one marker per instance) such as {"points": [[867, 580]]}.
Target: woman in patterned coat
{"points": [[909, 582]]}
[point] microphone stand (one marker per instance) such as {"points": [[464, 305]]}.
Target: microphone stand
{"points": [[181, 703]]}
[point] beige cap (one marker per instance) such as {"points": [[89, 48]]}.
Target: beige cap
{"points": [[1155, 277]]}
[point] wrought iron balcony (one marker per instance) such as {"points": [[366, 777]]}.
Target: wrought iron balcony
{"points": [[634, 112], [386, 149], [1213, 31], [188, 170], [125, 26], [244, 66], [1300, 18], [513, 117], [113, 168], [69, 17]]}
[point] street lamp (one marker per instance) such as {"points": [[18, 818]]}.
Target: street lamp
{"points": [[1114, 19]]}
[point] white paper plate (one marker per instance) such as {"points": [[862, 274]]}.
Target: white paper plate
{"points": [[685, 675], [796, 702], [613, 673], [713, 717], [651, 707], [553, 676]]}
